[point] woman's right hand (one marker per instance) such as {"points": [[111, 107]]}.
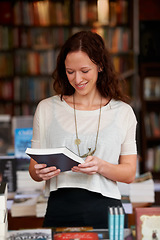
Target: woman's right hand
{"points": [[46, 173]]}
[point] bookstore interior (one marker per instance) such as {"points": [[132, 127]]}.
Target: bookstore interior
{"points": [[31, 35]]}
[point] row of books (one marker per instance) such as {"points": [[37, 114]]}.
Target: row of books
{"points": [[152, 162], [152, 124], [35, 63], [26, 89], [118, 12], [24, 109], [118, 39], [50, 13], [38, 38], [152, 88], [32, 89], [6, 108], [3, 210], [116, 219], [123, 63], [41, 13], [18, 109]]}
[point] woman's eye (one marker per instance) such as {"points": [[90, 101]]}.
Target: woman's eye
{"points": [[69, 72], [86, 71]]}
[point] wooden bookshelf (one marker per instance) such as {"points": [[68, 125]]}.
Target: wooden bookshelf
{"points": [[33, 34]]}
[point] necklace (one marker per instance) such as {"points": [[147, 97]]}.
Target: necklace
{"points": [[78, 141]]}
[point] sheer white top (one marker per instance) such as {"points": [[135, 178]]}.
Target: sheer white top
{"points": [[54, 126]]}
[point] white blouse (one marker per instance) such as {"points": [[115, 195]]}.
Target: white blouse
{"points": [[54, 126]]}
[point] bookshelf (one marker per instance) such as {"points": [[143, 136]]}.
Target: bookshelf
{"points": [[34, 32], [150, 130]]}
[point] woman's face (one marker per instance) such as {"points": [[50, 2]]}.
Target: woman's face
{"points": [[82, 73]]}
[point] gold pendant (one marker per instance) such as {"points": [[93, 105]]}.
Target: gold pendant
{"points": [[89, 153], [77, 141]]}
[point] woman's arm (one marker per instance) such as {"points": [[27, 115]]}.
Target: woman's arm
{"points": [[123, 172], [40, 172]]}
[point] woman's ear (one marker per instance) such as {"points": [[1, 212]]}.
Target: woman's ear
{"points": [[100, 69]]}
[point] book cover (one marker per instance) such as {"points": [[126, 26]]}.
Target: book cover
{"points": [[111, 223], [22, 139], [76, 235], [62, 158], [147, 223], [43, 234], [8, 172]]}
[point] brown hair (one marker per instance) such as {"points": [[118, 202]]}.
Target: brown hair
{"points": [[108, 82]]}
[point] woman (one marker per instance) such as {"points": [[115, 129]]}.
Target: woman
{"points": [[90, 116]]}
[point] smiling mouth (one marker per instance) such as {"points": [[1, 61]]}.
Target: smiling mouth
{"points": [[80, 86]]}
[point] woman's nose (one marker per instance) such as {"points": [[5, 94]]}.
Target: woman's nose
{"points": [[78, 77]]}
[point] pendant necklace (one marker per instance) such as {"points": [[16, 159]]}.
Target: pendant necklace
{"points": [[77, 140]]}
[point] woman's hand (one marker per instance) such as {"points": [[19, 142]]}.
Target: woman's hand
{"points": [[46, 173], [90, 166]]}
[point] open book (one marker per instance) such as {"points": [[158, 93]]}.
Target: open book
{"points": [[62, 158]]}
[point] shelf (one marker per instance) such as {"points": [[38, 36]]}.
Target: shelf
{"points": [[33, 39]]}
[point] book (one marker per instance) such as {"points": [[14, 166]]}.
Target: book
{"points": [[3, 195], [116, 223], [8, 172], [111, 223], [121, 223], [26, 183], [147, 222], [39, 233], [116, 218], [76, 235], [24, 204], [142, 189], [62, 158], [22, 139]]}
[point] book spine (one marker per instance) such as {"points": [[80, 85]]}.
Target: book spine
{"points": [[116, 223], [111, 223], [121, 223]]}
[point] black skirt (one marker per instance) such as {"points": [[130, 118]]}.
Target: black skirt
{"points": [[76, 207]]}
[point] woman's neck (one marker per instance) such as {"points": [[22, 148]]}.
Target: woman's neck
{"points": [[86, 103]]}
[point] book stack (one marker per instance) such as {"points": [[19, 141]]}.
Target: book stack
{"points": [[3, 211], [24, 204], [142, 189], [116, 218]]}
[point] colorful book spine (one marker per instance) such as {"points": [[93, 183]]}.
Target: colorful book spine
{"points": [[116, 223], [116, 218], [121, 223], [111, 223]]}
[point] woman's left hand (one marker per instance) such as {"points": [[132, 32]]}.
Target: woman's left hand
{"points": [[90, 166]]}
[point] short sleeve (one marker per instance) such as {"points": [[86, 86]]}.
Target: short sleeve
{"points": [[129, 145], [35, 142]]}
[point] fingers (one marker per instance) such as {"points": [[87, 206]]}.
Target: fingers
{"points": [[46, 173], [90, 166]]}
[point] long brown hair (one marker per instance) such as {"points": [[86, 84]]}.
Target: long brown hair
{"points": [[108, 83]]}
